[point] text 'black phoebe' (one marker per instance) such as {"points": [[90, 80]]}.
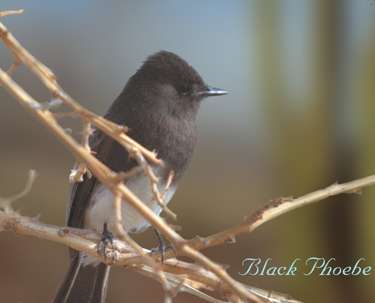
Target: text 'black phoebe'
{"points": [[159, 105]]}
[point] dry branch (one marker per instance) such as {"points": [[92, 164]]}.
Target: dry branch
{"points": [[280, 206], [195, 277]]}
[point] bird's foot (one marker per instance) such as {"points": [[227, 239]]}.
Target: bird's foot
{"points": [[163, 246], [106, 247]]}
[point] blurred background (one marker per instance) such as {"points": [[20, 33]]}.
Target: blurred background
{"points": [[299, 117]]}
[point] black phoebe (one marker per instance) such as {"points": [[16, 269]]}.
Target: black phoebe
{"points": [[159, 105]]}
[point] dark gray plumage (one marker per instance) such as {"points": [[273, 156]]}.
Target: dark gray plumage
{"points": [[159, 105]]}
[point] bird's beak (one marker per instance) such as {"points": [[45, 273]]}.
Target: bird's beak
{"points": [[211, 91]]}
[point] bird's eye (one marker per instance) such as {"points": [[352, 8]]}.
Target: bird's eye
{"points": [[184, 90]]}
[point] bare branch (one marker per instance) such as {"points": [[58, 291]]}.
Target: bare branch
{"points": [[279, 207]]}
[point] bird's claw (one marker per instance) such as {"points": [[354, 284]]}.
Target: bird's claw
{"points": [[106, 247], [163, 246]]}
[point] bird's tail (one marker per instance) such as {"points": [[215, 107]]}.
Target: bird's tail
{"points": [[83, 284]]}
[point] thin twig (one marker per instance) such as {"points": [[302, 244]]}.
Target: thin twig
{"points": [[11, 12], [154, 181], [279, 207], [5, 203]]}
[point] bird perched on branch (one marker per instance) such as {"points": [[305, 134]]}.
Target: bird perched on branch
{"points": [[159, 105]]}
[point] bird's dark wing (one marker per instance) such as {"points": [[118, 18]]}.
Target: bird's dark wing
{"points": [[111, 154], [81, 191], [89, 281], [80, 196]]}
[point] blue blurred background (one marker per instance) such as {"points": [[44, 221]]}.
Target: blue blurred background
{"points": [[299, 117]]}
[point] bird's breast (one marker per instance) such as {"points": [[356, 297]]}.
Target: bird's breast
{"points": [[174, 140], [101, 205]]}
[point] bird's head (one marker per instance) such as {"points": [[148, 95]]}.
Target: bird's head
{"points": [[171, 80]]}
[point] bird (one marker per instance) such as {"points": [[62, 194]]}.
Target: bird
{"points": [[159, 107]]}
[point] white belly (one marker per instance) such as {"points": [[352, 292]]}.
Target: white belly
{"points": [[101, 205]]}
